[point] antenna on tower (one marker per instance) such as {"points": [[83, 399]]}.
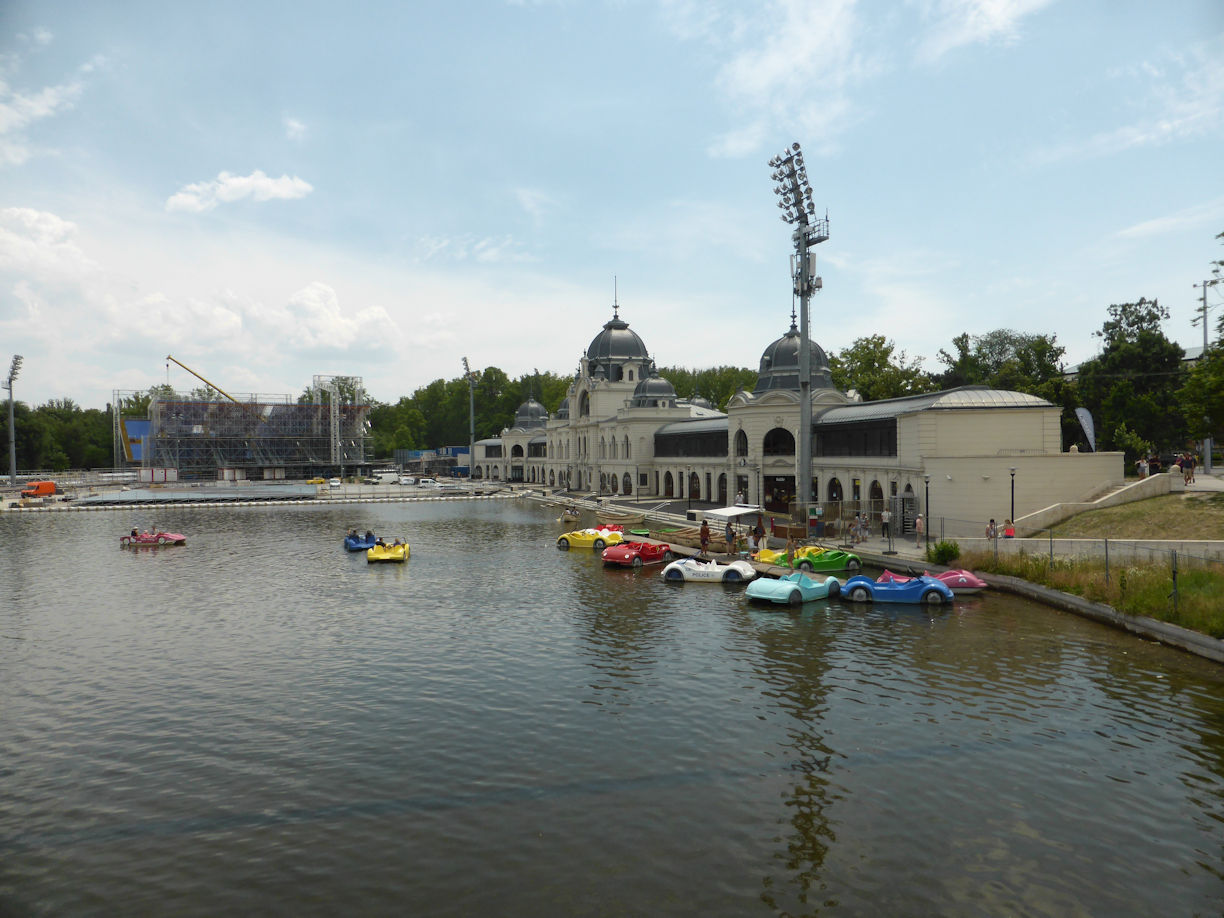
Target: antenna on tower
{"points": [[615, 304]]}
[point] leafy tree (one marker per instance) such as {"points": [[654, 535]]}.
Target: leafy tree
{"points": [[1202, 396], [1135, 379], [874, 368], [715, 385]]}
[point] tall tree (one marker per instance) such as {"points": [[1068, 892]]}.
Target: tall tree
{"points": [[875, 369], [1202, 396], [1133, 383]]}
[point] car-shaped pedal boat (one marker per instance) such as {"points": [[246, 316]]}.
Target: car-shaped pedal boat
{"points": [[962, 582], [382, 554], [597, 539], [696, 570], [918, 590], [152, 538], [812, 558], [359, 542], [792, 589], [635, 554]]}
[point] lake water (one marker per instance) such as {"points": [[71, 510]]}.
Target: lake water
{"points": [[261, 723]]}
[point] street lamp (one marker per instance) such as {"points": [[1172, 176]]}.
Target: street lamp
{"points": [[926, 503], [471, 379], [1207, 444], [795, 194], [8, 384], [1013, 495], [688, 485]]}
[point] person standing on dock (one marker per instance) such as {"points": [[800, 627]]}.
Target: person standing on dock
{"points": [[705, 537], [729, 538]]}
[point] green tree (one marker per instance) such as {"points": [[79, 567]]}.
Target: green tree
{"points": [[716, 384], [1202, 395], [873, 366], [1135, 380]]}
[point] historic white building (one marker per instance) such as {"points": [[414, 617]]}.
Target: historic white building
{"points": [[622, 431]]}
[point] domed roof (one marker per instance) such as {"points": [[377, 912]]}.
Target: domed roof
{"points": [[654, 392], [780, 365], [700, 401], [563, 411], [615, 344], [530, 414]]}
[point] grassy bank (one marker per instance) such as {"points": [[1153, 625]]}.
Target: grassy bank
{"points": [[1135, 588]]}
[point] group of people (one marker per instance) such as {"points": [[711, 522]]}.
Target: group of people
{"points": [[1151, 465], [993, 529], [752, 539]]}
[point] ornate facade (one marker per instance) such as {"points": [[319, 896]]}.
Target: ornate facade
{"points": [[622, 431]]}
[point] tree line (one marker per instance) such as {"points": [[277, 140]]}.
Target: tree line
{"points": [[1142, 397]]}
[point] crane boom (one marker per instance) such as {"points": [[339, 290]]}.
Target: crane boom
{"points": [[202, 379]]}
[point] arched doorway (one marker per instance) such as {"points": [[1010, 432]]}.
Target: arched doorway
{"points": [[627, 484], [694, 486], [722, 489], [835, 490], [667, 484]]}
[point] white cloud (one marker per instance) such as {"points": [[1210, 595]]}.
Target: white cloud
{"points": [[1179, 100], [37, 244], [18, 110], [317, 321], [789, 67], [1206, 215], [486, 249], [956, 23], [535, 203], [294, 129], [227, 188]]}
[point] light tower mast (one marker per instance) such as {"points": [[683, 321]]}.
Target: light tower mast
{"points": [[798, 210], [471, 379]]}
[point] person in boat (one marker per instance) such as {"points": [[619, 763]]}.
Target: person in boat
{"points": [[369, 535], [135, 532], [380, 543]]}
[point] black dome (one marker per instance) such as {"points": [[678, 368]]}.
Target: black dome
{"points": [[654, 392], [613, 346], [780, 365], [530, 414]]}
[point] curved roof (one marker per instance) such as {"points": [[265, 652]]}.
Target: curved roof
{"points": [[652, 391], [780, 365], [563, 411], [963, 398], [530, 414], [616, 342]]}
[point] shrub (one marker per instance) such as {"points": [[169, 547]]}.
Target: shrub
{"points": [[944, 552]]}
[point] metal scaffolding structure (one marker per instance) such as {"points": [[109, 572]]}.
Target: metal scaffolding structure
{"points": [[248, 435]]}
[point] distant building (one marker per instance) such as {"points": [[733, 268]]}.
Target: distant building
{"points": [[622, 430]]}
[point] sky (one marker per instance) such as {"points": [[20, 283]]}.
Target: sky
{"points": [[272, 191]]}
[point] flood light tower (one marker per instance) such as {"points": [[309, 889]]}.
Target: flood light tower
{"points": [[14, 369], [795, 194]]}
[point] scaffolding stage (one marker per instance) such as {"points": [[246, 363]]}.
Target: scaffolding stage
{"points": [[250, 436]]}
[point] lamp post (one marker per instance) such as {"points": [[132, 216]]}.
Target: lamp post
{"points": [[471, 379], [1207, 444], [688, 486], [1013, 495], [926, 503], [795, 195], [14, 369]]}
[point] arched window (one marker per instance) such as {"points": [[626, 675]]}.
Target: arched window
{"points": [[835, 489], [779, 442], [627, 484], [741, 443], [603, 448], [627, 449], [612, 448], [667, 484], [584, 405], [612, 483]]}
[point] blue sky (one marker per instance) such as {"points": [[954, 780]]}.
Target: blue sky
{"points": [[270, 191]]}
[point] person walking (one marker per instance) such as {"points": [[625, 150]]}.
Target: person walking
{"points": [[919, 529], [885, 523]]}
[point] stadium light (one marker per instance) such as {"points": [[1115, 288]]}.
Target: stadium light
{"points": [[795, 193], [14, 369]]}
